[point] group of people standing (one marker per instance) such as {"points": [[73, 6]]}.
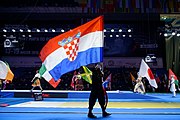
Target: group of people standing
{"points": [[139, 86], [98, 92]]}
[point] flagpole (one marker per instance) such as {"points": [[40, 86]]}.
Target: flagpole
{"points": [[102, 70], [103, 49]]}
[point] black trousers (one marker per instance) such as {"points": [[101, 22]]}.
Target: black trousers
{"points": [[94, 95]]}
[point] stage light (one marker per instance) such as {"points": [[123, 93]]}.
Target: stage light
{"points": [[4, 35], [29, 30], [104, 30], [178, 34], [129, 30], [4, 30], [112, 30], [53, 30], [23, 36], [110, 35], [173, 33], [124, 35], [62, 30], [38, 30], [45, 30], [21, 30], [120, 30], [130, 35], [165, 34], [30, 35], [13, 30], [117, 35]]}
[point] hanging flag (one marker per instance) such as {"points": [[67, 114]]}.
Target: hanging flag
{"points": [[175, 77], [132, 77], [107, 83], [73, 49], [47, 76], [5, 72], [87, 75], [145, 71]]}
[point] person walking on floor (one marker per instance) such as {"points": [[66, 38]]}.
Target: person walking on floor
{"points": [[36, 81], [139, 87], [172, 86], [97, 92]]}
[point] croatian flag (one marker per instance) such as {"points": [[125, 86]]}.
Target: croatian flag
{"points": [[47, 76], [145, 71], [71, 50]]}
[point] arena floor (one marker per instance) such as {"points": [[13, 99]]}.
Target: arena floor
{"points": [[139, 107]]}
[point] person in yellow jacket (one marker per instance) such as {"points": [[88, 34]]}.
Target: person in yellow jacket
{"points": [[36, 81]]}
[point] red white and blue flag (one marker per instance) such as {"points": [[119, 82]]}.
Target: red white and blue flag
{"points": [[71, 50]]}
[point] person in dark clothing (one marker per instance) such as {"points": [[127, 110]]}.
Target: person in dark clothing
{"points": [[97, 92]]}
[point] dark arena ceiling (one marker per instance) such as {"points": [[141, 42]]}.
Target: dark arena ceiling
{"points": [[65, 14]]}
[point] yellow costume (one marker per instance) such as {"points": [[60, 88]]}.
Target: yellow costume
{"points": [[36, 82]]}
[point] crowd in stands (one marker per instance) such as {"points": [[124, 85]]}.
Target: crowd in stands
{"points": [[120, 80]]}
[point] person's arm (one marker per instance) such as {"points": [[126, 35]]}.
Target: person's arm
{"points": [[37, 76], [169, 83], [33, 79], [101, 72]]}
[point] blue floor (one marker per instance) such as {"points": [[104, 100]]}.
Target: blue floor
{"points": [[29, 113], [52, 116]]}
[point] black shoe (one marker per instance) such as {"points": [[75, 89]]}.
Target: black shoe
{"points": [[90, 115], [105, 114]]}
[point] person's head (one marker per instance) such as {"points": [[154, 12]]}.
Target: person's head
{"points": [[75, 72], [172, 76], [78, 76], [137, 73], [139, 78], [98, 66]]}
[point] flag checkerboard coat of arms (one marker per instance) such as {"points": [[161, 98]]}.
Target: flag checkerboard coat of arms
{"points": [[78, 47], [71, 47]]}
